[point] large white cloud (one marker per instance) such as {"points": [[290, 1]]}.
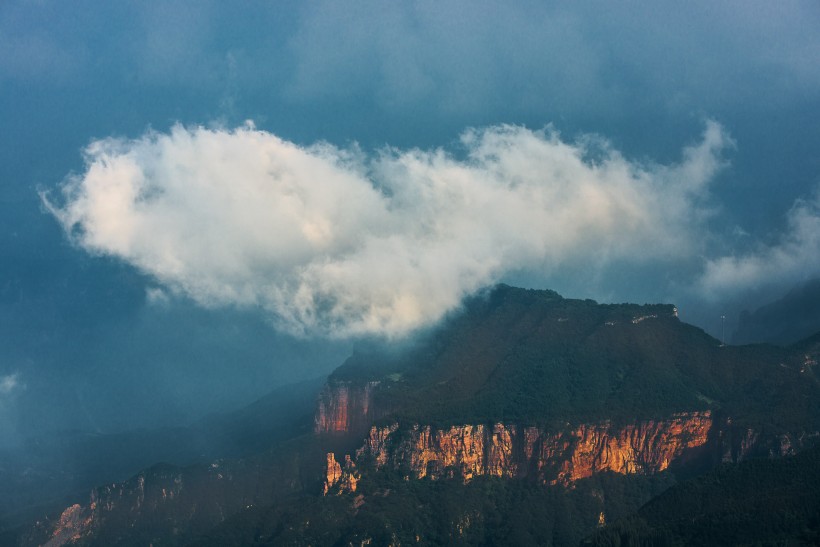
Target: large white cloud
{"points": [[340, 243]]}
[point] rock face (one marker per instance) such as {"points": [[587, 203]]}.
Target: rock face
{"points": [[168, 502], [74, 523], [345, 478], [554, 457], [739, 443], [118, 503], [345, 408]]}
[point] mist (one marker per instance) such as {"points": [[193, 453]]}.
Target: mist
{"points": [[689, 175]]}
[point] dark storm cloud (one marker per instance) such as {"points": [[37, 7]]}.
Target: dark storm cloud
{"points": [[458, 57], [414, 76], [468, 56]]}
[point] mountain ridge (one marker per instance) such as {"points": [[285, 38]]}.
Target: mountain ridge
{"points": [[497, 360], [556, 393]]}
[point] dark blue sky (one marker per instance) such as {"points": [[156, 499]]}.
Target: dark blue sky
{"points": [[83, 345]]}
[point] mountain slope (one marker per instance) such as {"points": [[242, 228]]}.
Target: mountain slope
{"points": [[486, 511], [532, 357], [754, 502], [593, 409], [785, 321], [52, 472]]}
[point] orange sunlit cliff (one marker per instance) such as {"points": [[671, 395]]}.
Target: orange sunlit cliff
{"points": [[505, 450]]}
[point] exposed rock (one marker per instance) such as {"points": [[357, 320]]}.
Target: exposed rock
{"points": [[170, 505], [74, 523], [786, 448], [344, 408], [376, 444], [740, 443], [555, 457], [645, 447], [333, 472], [345, 479]]}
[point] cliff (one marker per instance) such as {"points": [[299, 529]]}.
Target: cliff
{"points": [[757, 502], [553, 457], [170, 505], [172, 494], [514, 357], [629, 392], [346, 478], [344, 407]]}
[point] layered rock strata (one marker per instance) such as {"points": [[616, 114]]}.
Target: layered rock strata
{"points": [[346, 478], [551, 457], [345, 408]]}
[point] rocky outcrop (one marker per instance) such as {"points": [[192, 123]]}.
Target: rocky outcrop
{"points": [[345, 408], [168, 502], [739, 443], [74, 523], [346, 478], [554, 457]]}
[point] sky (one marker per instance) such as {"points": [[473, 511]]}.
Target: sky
{"points": [[200, 201]]}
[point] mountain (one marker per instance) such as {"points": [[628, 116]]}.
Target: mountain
{"points": [[785, 321], [524, 416], [534, 358], [760, 502], [51, 472]]}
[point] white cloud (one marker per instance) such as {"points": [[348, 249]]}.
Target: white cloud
{"points": [[793, 258], [156, 296], [9, 383], [335, 242]]}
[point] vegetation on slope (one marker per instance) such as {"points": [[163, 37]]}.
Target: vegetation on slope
{"points": [[757, 502], [487, 511], [525, 356], [50, 474], [511, 355]]}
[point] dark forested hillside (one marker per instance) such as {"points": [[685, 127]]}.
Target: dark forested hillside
{"points": [[785, 321], [757, 502], [534, 357], [49, 472], [387, 509], [523, 419]]}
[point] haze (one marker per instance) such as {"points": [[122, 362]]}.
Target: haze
{"points": [[201, 202]]}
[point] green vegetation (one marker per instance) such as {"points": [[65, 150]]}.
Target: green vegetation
{"points": [[758, 502], [168, 505], [52, 472], [487, 511], [525, 358]]}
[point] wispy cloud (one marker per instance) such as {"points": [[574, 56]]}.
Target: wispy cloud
{"points": [[340, 243], [156, 296], [9, 383], [794, 257]]}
